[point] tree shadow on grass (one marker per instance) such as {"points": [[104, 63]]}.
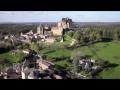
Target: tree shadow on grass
{"points": [[113, 65], [88, 56], [94, 52], [49, 52], [61, 70], [116, 57], [60, 58], [107, 39], [4, 50]]}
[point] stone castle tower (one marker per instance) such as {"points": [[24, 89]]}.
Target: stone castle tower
{"points": [[66, 23], [40, 30]]}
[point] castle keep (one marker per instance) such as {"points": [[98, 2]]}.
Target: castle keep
{"points": [[58, 30]]}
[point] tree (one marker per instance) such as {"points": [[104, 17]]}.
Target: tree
{"points": [[117, 35], [19, 47], [76, 65], [34, 47], [92, 36], [70, 34], [5, 62], [95, 72], [98, 37], [48, 58], [77, 55], [103, 64], [25, 45], [77, 36], [86, 66], [66, 65], [82, 39]]}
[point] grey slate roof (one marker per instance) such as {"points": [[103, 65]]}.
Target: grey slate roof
{"points": [[47, 77]]}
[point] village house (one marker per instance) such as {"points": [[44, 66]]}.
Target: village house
{"points": [[9, 73], [26, 51], [21, 38], [15, 52], [87, 64], [50, 40], [57, 76], [6, 37], [24, 35], [47, 77], [43, 64], [33, 75], [30, 32], [24, 70], [28, 73], [17, 67], [49, 71]]}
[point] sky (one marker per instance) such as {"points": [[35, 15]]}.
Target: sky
{"points": [[55, 16]]}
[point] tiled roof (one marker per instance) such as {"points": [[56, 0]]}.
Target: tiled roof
{"points": [[47, 63], [57, 77], [29, 70], [47, 77]]}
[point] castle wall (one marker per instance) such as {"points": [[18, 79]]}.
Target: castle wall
{"points": [[57, 31]]}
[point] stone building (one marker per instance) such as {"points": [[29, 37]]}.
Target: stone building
{"points": [[28, 73], [66, 23], [50, 40], [44, 65], [9, 73], [40, 30], [58, 30], [32, 75], [6, 37]]}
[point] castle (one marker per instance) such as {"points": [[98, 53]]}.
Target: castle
{"points": [[64, 24], [47, 34]]}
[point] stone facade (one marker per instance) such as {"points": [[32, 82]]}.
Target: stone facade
{"points": [[50, 40], [40, 30], [65, 23], [57, 31]]}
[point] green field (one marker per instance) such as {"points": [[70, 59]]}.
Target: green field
{"points": [[109, 51], [56, 53], [57, 49], [12, 58]]}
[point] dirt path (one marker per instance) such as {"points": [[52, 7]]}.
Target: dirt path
{"points": [[73, 40]]}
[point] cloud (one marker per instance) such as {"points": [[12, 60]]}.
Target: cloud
{"points": [[57, 15], [35, 12], [7, 12], [23, 12]]}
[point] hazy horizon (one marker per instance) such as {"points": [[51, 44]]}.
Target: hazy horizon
{"points": [[55, 16], [57, 22]]}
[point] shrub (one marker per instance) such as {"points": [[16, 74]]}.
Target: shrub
{"points": [[48, 58], [69, 61], [96, 71], [103, 64]]}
